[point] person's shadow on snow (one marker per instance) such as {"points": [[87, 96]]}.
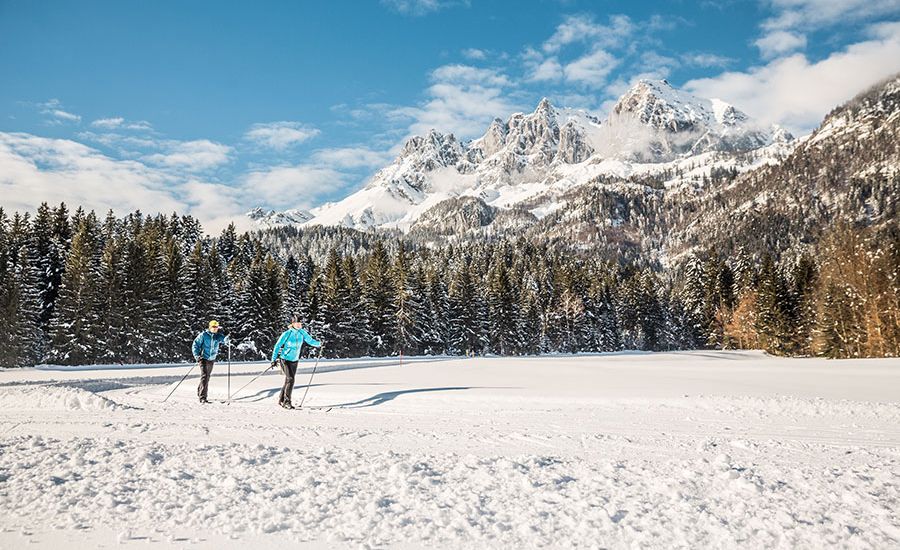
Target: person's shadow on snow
{"points": [[381, 398]]}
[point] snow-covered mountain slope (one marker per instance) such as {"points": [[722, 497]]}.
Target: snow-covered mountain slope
{"points": [[847, 170], [653, 128], [271, 218]]}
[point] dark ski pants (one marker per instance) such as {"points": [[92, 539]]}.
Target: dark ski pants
{"points": [[289, 368], [206, 367]]}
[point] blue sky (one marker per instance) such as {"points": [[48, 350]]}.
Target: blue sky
{"points": [[211, 108]]}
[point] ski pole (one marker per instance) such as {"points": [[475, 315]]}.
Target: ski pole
{"points": [[179, 382], [311, 377], [254, 378], [229, 370]]}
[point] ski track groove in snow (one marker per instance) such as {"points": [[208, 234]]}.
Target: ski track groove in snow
{"points": [[708, 456]]}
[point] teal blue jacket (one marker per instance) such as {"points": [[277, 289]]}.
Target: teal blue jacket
{"points": [[206, 345], [289, 343]]}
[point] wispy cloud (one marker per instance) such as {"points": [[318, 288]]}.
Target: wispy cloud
{"points": [[191, 156], [591, 69], [474, 54], [119, 123], [352, 157], [706, 60], [585, 29], [57, 115], [296, 186], [417, 8], [461, 99], [280, 136]]}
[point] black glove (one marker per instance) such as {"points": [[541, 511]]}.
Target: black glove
{"points": [[274, 363]]}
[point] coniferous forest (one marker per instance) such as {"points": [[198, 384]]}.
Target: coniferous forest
{"points": [[78, 288]]}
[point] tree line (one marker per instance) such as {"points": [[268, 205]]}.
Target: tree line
{"points": [[78, 289]]}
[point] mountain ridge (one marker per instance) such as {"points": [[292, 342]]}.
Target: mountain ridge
{"points": [[549, 148]]}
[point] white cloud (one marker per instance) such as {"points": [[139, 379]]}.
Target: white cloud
{"points": [[280, 136], [816, 14], [35, 169], [466, 74], [462, 100], [548, 69], [352, 157], [192, 156], [706, 60], [797, 93], [778, 43], [125, 144], [584, 29], [785, 31], [591, 69], [53, 109], [474, 54], [300, 186], [114, 123], [421, 7]]}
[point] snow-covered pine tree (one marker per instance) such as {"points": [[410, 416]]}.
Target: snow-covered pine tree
{"points": [[773, 303], [175, 315], [259, 314], [294, 289], [378, 295], [334, 310], [466, 317], [19, 333], [407, 305], [76, 331], [359, 337], [502, 307], [692, 298], [111, 307], [529, 321], [604, 331], [197, 285], [434, 311]]}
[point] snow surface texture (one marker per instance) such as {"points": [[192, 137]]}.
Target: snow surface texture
{"points": [[679, 450]]}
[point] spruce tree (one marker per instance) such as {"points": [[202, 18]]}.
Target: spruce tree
{"points": [[378, 295], [359, 335], [334, 310], [407, 305], [502, 310], [76, 330]]}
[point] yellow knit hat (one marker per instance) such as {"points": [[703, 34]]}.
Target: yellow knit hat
{"points": [[213, 324]]}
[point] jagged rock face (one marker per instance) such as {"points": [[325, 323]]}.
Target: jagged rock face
{"points": [[573, 144], [536, 134], [271, 218], [461, 215], [494, 139], [419, 156], [456, 215], [678, 123]]}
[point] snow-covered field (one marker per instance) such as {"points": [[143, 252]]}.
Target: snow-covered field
{"points": [[679, 450]]}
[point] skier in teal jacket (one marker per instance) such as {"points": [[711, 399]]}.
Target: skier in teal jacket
{"points": [[287, 349], [205, 350]]}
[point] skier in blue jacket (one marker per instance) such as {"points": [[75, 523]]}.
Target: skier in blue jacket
{"points": [[287, 349], [205, 349]]}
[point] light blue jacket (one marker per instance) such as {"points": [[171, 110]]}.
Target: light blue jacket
{"points": [[288, 345], [207, 344]]}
